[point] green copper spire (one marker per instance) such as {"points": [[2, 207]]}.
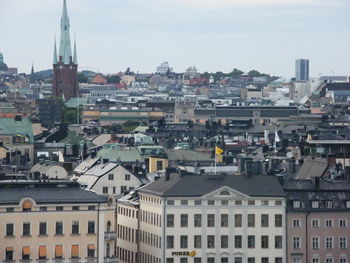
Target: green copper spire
{"points": [[65, 51]]}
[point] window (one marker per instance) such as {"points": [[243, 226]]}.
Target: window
{"points": [[278, 202], [251, 260], [184, 220], [42, 252], [75, 251], [251, 220], [238, 202], [75, 227], [264, 220], [211, 241], [251, 202], [278, 241], [224, 220], [91, 227], [9, 229], [27, 206], [296, 204], [315, 223], [26, 229], [59, 228], [314, 204], [238, 220], [238, 260], [278, 220], [91, 251], [342, 223], [197, 241], [184, 202], [238, 241], [105, 190], [42, 228], [169, 241], [170, 202], [114, 190], [264, 241], [329, 204], [197, 202], [329, 260], [59, 208], [10, 210], [296, 222], [110, 177], [224, 260], [296, 242], [343, 243], [169, 260], [159, 165], [91, 207], [127, 177], [251, 241], [25, 253], [296, 260], [315, 243], [211, 220], [264, 260], [123, 188], [211, 202], [278, 260], [183, 242], [347, 204], [329, 242], [224, 241], [9, 254], [42, 208], [75, 208], [342, 260], [265, 202], [315, 260], [224, 202], [170, 220], [197, 220], [211, 260], [197, 260], [183, 260], [329, 223]]}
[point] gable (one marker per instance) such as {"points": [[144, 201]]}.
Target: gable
{"points": [[225, 192]]}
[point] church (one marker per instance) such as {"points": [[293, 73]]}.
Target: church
{"points": [[65, 65]]}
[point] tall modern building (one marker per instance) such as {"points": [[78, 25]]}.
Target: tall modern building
{"points": [[65, 65], [301, 69]]}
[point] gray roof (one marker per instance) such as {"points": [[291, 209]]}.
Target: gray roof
{"points": [[312, 168], [199, 185], [11, 193]]}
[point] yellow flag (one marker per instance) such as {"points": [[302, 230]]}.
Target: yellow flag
{"points": [[218, 151]]}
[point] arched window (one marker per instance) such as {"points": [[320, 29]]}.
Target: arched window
{"points": [[109, 225], [27, 206]]}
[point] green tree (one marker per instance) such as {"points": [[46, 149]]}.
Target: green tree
{"points": [[82, 78], [113, 79], [70, 115], [236, 73], [219, 75]]}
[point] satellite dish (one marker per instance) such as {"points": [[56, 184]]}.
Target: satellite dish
{"points": [[289, 155]]}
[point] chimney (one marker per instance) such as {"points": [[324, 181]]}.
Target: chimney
{"points": [[167, 174]]}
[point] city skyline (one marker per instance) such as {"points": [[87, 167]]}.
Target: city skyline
{"points": [[201, 33]]}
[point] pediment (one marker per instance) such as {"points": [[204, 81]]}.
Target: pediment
{"points": [[225, 192]]}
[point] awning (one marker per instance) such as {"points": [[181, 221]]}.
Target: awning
{"points": [[75, 251], [26, 250], [91, 246], [59, 251], [42, 251]]}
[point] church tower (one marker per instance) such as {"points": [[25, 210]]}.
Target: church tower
{"points": [[65, 66]]}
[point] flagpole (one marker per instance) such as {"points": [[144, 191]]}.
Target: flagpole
{"points": [[215, 160]]}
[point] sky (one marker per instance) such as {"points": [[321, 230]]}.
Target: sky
{"points": [[213, 35]]}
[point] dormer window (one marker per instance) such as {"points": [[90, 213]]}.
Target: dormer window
{"points": [[329, 204], [27, 206], [296, 204], [315, 204]]}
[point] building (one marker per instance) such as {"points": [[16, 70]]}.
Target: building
{"points": [[203, 218], [48, 169], [50, 112], [55, 221], [302, 70], [110, 179], [164, 68], [65, 65], [318, 221]]}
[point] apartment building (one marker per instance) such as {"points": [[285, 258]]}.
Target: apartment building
{"points": [[55, 221], [318, 221], [182, 218]]}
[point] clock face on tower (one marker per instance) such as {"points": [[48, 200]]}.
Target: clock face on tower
{"points": [[61, 67]]}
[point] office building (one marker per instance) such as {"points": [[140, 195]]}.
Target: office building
{"points": [[302, 70]]}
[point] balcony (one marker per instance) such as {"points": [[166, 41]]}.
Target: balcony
{"points": [[111, 260], [110, 235]]}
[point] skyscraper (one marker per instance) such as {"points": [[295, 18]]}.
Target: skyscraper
{"points": [[301, 69], [65, 66]]}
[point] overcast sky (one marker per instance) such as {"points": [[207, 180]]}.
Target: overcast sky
{"points": [[213, 35]]}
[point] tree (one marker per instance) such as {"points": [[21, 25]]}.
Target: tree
{"points": [[113, 79], [218, 75], [255, 73], [82, 78], [236, 73]]}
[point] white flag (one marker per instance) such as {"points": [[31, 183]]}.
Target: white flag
{"points": [[266, 136]]}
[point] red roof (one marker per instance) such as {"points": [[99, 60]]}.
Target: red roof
{"points": [[99, 79]]}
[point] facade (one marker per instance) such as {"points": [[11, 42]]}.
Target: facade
{"points": [[203, 218], [302, 70], [318, 221], [50, 112], [65, 65], [71, 225]]}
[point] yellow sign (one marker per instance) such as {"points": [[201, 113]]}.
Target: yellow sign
{"points": [[218, 151], [184, 253]]}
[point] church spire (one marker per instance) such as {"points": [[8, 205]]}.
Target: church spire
{"points": [[75, 57], [54, 61], [65, 51]]}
